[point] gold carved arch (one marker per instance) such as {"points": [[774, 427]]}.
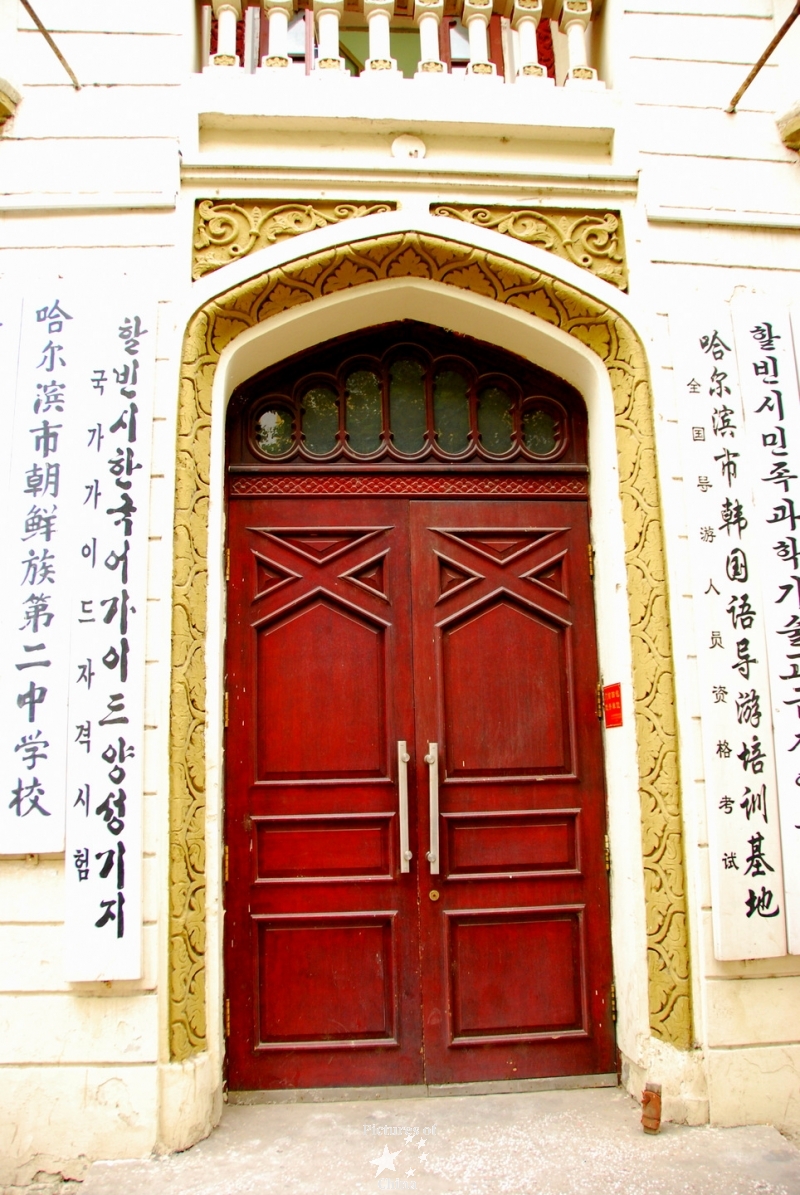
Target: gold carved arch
{"points": [[404, 255]]}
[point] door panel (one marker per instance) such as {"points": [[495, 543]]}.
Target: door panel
{"points": [[509, 989], [510, 845], [348, 961], [321, 928], [321, 678], [308, 848], [487, 651], [353, 624], [514, 974]]}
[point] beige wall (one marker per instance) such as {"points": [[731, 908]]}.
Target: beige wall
{"points": [[91, 188]]}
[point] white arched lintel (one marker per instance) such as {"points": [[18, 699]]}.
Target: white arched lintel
{"points": [[532, 338], [350, 232]]}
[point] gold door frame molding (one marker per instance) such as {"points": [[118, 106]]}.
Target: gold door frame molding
{"points": [[606, 333]]}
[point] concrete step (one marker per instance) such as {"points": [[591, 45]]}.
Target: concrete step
{"points": [[577, 1142]]}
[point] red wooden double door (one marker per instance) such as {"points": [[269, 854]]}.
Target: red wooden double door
{"points": [[461, 634]]}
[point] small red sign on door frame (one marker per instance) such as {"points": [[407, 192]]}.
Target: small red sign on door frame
{"points": [[612, 705]]}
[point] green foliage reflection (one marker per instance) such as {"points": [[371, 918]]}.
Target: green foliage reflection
{"points": [[320, 420]]}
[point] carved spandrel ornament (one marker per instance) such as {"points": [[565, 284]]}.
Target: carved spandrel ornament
{"points": [[603, 331], [226, 229], [591, 240]]}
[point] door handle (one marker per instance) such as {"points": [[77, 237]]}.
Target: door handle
{"points": [[432, 760], [402, 785]]}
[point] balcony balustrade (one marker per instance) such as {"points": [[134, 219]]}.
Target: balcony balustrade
{"points": [[508, 41]]}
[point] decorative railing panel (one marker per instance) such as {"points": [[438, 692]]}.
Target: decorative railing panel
{"points": [[508, 40]]}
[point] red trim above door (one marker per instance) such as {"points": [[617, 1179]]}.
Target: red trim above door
{"points": [[407, 485]]}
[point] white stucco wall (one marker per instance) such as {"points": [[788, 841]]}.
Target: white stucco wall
{"points": [[100, 184]]}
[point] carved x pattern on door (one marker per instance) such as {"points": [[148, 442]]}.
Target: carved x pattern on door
{"points": [[318, 553]]}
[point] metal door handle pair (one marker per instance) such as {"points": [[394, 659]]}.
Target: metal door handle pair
{"points": [[432, 760]]}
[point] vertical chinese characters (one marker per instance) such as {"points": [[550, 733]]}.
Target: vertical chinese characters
{"points": [[36, 585], [739, 767]]}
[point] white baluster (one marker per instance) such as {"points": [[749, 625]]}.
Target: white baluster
{"points": [[279, 13], [575, 18], [379, 14], [476, 18], [227, 12], [206, 14], [328, 14], [525, 19], [428, 14]]}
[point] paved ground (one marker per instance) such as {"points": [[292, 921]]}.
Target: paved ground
{"points": [[543, 1143]]}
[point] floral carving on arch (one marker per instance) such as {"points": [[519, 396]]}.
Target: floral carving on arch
{"points": [[416, 255]]}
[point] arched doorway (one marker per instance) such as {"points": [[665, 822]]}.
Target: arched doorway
{"points": [[415, 809]]}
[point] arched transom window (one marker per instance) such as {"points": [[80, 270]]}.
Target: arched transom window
{"points": [[406, 392]]}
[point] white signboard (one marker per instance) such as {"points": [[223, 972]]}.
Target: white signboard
{"points": [[748, 904], [768, 379], [107, 647], [34, 646], [78, 381], [10, 316]]}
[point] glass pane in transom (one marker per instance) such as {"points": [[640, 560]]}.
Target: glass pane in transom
{"points": [[407, 412], [363, 411]]}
